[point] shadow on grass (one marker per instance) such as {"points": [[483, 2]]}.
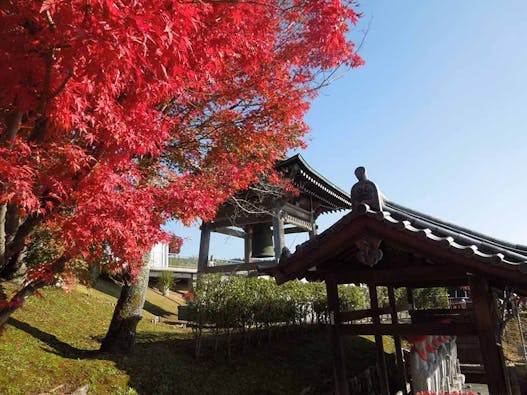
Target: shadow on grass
{"points": [[114, 290], [164, 363], [59, 347]]}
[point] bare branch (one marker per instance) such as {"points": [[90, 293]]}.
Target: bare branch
{"points": [[363, 39], [254, 200], [50, 20]]}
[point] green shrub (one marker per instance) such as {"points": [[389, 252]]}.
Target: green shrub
{"points": [[251, 302], [430, 298], [165, 280]]}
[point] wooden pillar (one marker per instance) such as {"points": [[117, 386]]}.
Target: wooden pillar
{"points": [[313, 231], [381, 360], [487, 318], [204, 246], [410, 297], [248, 244], [278, 232], [339, 366], [399, 357]]}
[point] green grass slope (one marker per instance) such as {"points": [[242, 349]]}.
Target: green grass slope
{"points": [[50, 347]]}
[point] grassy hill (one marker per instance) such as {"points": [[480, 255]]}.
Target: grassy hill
{"points": [[50, 347]]}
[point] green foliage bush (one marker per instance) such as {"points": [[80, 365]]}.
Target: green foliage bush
{"points": [[229, 304], [431, 298], [255, 302], [424, 298], [165, 280]]}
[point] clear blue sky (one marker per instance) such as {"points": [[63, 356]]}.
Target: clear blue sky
{"points": [[437, 115]]}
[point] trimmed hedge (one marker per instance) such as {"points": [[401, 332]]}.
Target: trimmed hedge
{"points": [[249, 305], [253, 302]]}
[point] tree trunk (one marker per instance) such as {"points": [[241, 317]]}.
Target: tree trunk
{"points": [[120, 337], [17, 301]]}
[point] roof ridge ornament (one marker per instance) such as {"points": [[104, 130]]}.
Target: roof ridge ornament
{"points": [[365, 192], [369, 252]]}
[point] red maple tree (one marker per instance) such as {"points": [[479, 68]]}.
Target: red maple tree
{"points": [[116, 115]]}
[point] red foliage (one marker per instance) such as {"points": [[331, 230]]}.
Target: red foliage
{"points": [[117, 115], [174, 245], [189, 296]]}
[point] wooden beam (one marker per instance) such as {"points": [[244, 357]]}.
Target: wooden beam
{"points": [[313, 230], [204, 246], [235, 267], [462, 329], [240, 221], [291, 219], [487, 318], [339, 366], [381, 360], [432, 314], [360, 314], [230, 232], [395, 281], [399, 358], [410, 297], [422, 277], [295, 229], [332, 247], [296, 211]]}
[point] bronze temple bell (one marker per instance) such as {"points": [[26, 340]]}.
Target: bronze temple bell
{"points": [[262, 241]]}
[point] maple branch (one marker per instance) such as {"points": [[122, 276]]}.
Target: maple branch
{"points": [[3, 213], [13, 126], [50, 20], [251, 201], [18, 300], [47, 78], [62, 85], [331, 77], [29, 289], [17, 243], [365, 31], [12, 221], [246, 207], [39, 130]]}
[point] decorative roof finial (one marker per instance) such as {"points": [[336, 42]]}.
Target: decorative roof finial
{"points": [[365, 192], [360, 173]]}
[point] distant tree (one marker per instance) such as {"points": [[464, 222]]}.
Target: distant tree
{"points": [[116, 116], [430, 298]]}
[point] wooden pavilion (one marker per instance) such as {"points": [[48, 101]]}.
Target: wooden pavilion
{"points": [[380, 243], [263, 214]]}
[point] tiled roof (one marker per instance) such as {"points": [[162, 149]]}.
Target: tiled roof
{"points": [[368, 202], [455, 237], [308, 180]]}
